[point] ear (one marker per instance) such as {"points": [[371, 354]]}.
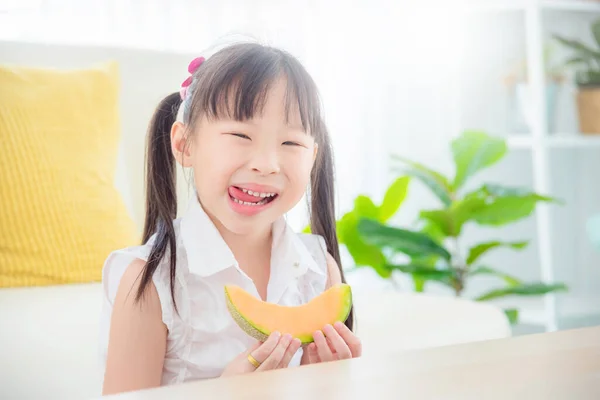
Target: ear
{"points": [[315, 151], [178, 144]]}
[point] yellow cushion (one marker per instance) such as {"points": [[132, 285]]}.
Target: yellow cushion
{"points": [[60, 214]]}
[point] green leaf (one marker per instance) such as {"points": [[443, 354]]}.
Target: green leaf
{"points": [[440, 220], [478, 250], [393, 198], [588, 77], [434, 232], [435, 181], [511, 280], [423, 271], [581, 49], [419, 284], [512, 314], [363, 254], [505, 210], [596, 31], [405, 241], [575, 61], [510, 191], [531, 289], [451, 220], [364, 207], [474, 151], [499, 205], [422, 274]]}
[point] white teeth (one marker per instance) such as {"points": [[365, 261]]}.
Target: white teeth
{"points": [[260, 203], [258, 194]]}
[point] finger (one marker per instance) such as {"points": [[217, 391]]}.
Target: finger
{"points": [[313, 355], [338, 343], [289, 353], [273, 360], [254, 347], [331, 347], [264, 350], [323, 349], [350, 338]]}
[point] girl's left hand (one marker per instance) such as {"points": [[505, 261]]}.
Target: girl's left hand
{"points": [[333, 343]]}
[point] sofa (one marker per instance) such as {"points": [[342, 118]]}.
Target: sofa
{"points": [[49, 334]]}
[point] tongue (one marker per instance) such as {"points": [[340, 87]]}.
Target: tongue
{"points": [[241, 196]]}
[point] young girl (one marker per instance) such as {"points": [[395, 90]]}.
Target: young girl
{"points": [[253, 135]]}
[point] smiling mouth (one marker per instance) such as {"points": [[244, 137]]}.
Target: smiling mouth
{"points": [[250, 198]]}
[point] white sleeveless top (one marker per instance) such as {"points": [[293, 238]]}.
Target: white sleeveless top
{"points": [[203, 338]]}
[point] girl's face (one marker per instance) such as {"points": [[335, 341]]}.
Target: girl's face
{"points": [[248, 174]]}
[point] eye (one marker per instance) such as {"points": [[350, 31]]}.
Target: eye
{"points": [[288, 143], [241, 135]]}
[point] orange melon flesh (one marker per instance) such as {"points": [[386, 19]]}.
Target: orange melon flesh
{"points": [[259, 318]]}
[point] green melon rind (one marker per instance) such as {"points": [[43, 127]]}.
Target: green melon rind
{"points": [[262, 335], [243, 322]]}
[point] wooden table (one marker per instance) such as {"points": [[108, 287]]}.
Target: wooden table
{"points": [[559, 365]]}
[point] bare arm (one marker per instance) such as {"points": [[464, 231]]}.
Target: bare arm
{"points": [[333, 272], [138, 337]]}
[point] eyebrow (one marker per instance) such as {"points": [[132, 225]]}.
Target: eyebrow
{"points": [[294, 127]]}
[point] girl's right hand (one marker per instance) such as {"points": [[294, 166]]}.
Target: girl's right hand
{"points": [[275, 352]]}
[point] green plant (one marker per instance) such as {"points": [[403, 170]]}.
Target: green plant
{"points": [[586, 58], [435, 252]]}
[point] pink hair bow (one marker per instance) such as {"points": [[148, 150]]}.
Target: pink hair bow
{"points": [[192, 67]]}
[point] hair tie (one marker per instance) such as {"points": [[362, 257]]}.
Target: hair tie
{"points": [[192, 67]]}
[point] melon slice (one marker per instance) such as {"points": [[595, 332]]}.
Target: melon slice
{"points": [[259, 318]]}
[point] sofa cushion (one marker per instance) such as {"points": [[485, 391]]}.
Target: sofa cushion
{"points": [[60, 213]]}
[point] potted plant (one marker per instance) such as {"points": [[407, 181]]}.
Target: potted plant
{"points": [[434, 252], [586, 61]]}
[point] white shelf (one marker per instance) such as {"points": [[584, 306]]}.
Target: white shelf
{"points": [[519, 142], [516, 5], [541, 144], [573, 141], [572, 5], [555, 141], [496, 5]]}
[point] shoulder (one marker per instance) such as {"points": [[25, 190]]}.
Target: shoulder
{"points": [[318, 247], [124, 264], [334, 276], [126, 298]]}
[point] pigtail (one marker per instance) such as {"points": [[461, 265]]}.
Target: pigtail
{"points": [[322, 216], [161, 194]]}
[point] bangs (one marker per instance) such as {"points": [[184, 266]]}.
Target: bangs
{"points": [[234, 84]]}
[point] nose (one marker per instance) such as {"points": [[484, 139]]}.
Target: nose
{"points": [[265, 161]]}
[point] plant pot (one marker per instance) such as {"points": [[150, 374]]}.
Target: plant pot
{"points": [[588, 107]]}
